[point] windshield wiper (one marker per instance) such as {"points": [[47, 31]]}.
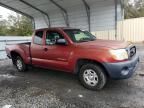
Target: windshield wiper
{"points": [[93, 39], [83, 40]]}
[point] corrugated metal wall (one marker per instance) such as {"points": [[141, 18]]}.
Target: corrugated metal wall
{"points": [[128, 30], [102, 15], [133, 29]]}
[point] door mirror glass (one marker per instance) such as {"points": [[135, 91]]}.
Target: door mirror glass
{"points": [[61, 42]]}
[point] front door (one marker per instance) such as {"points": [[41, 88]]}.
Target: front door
{"points": [[56, 56]]}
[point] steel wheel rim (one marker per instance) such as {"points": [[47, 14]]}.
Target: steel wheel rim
{"points": [[90, 77], [19, 64]]}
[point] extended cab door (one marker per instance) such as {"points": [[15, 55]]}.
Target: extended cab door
{"points": [[37, 48], [56, 56]]}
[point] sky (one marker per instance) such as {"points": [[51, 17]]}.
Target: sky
{"points": [[6, 12]]}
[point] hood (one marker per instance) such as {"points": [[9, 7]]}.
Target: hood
{"points": [[110, 44]]}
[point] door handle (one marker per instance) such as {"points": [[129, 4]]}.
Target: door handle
{"points": [[45, 49]]}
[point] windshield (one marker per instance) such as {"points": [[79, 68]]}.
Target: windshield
{"points": [[80, 36]]}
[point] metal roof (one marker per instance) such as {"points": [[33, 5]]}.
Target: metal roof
{"points": [[85, 14]]}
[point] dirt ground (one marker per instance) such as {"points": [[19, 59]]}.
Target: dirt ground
{"points": [[40, 88]]}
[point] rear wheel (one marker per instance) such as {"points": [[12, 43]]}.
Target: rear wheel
{"points": [[20, 65], [92, 76]]}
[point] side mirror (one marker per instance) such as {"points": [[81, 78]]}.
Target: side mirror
{"points": [[61, 42]]}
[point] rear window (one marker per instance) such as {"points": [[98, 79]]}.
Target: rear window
{"points": [[38, 37]]}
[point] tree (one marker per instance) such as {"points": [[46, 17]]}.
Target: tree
{"points": [[134, 9], [3, 26], [19, 25], [16, 26]]}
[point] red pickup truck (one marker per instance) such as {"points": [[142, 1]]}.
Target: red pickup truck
{"points": [[79, 52]]}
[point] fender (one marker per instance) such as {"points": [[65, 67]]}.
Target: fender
{"points": [[21, 52]]}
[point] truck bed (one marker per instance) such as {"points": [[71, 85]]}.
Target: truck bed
{"points": [[20, 48]]}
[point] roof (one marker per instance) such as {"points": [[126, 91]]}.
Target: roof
{"points": [[85, 14], [63, 28]]}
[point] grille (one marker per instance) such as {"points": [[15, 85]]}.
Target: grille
{"points": [[131, 51]]}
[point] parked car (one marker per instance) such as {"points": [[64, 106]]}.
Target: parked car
{"points": [[78, 52]]}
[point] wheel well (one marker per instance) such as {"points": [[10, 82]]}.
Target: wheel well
{"points": [[14, 55], [81, 62]]}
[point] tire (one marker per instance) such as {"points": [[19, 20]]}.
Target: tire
{"points": [[92, 77], [20, 65]]}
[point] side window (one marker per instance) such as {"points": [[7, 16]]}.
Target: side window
{"points": [[38, 37], [51, 37]]}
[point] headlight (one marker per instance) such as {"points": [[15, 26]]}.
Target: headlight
{"points": [[120, 54]]}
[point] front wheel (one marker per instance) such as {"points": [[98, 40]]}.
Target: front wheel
{"points": [[20, 65], [92, 77]]}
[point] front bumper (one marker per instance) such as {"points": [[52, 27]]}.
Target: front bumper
{"points": [[122, 70]]}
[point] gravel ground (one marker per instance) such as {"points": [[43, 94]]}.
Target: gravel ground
{"points": [[40, 88]]}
